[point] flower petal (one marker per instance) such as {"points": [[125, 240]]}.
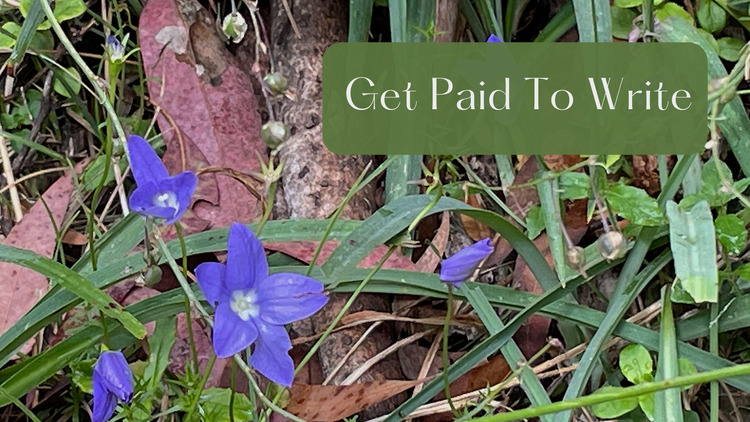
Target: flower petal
{"points": [[246, 259], [104, 401], [210, 277], [183, 185], [271, 355], [462, 265], [146, 165], [115, 374], [231, 334], [142, 202], [494, 38], [285, 298]]}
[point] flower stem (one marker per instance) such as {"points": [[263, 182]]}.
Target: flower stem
{"points": [[269, 208], [446, 361], [188, 310]]}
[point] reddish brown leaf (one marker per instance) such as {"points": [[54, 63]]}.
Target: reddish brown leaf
{"points": [[429, 261], [35, 232], [197, 83], [72, 237], [330, 403], [304, 251], [475, 228]]}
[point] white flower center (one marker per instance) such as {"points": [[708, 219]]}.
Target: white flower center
{"points": [[167, 200], [245, 304]]}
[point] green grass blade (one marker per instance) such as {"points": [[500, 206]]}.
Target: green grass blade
{"points": [[594, 20], [78, 285], [33, 18], [404, 169], [558, 25], [473, 19], [512, 354], [668, 403], [505, 170], [420, 17], [397, 12], [360, 16]]}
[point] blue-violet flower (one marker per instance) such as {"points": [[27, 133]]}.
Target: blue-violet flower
{"points": [[252, 306], [157, 193], [112, 380], [114, 49], [494, 38], [461, 266]]}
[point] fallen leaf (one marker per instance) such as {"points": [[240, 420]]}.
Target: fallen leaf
{"points": [[646, 173], [475, 228], [72, 237], [330, 403], [210, 100], [35, 232], [429, 261]]}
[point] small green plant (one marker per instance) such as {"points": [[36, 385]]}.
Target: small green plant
{"points": [[636, 366]]}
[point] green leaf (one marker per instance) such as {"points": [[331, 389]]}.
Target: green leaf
{"points": [[534, 222], [74, 82], [729, 48], [215, 404], [360, 16], [668, 403], [636, 364], [63, 10], [730, 230], [712, 186], [159, 346], [628, 3], [711, 16], [646, 402], [614, 408], [709, 39], [686, 368], [41, 40], [73, 282], [743, 272], [82, 374], [635, 205], [693, 243], [622, 21], [680, 295], [666, 10], [574, 185]]}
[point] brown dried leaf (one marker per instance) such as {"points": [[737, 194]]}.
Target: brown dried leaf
{"points": [[474, 228], [210, 101], [23, 287], [72, 237], [330, 403], [561, 162], [429, 261], [646, 173]]}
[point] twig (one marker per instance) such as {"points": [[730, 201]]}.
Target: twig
{"points": [[8, 172]]}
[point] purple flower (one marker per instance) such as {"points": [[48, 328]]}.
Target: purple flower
{"points": [[158, 194], [113, 380], [252, 307], [494, 38], [461, 266]]}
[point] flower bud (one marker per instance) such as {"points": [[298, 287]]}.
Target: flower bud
{"points": [[114, 49], [234, 27], [274, 133], [575, 257], [152, 275], [276, 83], [611, 245]]}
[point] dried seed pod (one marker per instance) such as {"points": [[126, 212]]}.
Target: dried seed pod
{"points": [[276, 83], [611, 245], [575, 257], [274, 133]]}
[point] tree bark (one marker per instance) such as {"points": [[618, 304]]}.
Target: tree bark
{"points": [[316, 181]]}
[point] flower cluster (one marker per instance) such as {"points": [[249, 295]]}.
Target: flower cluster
{"points": [[112, 381], [461, 266]]}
